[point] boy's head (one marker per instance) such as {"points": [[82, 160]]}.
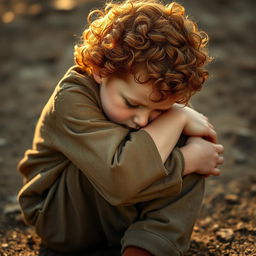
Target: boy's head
{"points": [[156, 44], [129, 103]]}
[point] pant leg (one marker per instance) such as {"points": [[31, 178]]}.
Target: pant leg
{"points": [[74, 217], [165, 225]]}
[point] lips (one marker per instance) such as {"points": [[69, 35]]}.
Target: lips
{"points": [[132, 127]]}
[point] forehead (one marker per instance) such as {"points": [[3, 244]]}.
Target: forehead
{"points": [[146, 93]]}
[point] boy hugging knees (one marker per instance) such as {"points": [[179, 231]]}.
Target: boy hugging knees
{"points": [[118, 157]]}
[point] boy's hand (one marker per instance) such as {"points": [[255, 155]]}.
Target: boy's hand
{"points": [[197, 124], [202, 157]]}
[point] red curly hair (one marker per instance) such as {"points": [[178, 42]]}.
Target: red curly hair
{"points": [[144, 33]]}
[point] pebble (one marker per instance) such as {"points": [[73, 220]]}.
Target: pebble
{"points": [[11, 209], [225, 234], [253, 189], [215, 227], [239, 225], [196, 229], [206, 221], [232, 198], [12, 199], [3, 142], [239, 156]]}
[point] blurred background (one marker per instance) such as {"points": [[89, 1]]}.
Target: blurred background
{"points": [[36, 49]]}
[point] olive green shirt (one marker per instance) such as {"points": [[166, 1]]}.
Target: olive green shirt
{"points": [[123, 165]]}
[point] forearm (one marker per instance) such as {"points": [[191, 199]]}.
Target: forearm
{"points": [[169, 185], [165, 131]]}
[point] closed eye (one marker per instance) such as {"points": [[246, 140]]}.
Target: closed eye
{"points": [[161, 110], [129, 104]]}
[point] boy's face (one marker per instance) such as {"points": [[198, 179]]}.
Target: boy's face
{"points": [[129, 103]]}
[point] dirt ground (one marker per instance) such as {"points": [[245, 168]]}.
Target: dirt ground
{"points": [[36, 44]]}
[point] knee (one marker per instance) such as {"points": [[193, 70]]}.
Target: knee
{"points": [[193, 182]]}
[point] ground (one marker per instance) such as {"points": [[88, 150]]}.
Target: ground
{"points": [[36, 44]]}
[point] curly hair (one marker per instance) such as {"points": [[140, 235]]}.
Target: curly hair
{"points": [[145, 33]]}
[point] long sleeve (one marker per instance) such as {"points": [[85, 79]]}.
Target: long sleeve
{"points": [[123, 166]]}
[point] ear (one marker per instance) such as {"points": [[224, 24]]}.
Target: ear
{"points": [[97, 77]]}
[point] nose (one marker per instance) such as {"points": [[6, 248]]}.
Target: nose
{"points": [[141, 119]]}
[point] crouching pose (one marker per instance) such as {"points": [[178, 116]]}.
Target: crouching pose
{"points": [[119, 158]]}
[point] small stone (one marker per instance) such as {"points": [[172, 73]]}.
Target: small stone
{"points": [[215, 227], [225, 234], [239, 225], [12, 199], [19, 218], [206, 221], [253, 189], [11, 209], [3, 142], [239, 156], [4, 245], [196, 229], [232, 198]]}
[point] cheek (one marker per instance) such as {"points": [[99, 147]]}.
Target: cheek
{"points": [[115, 109], [118, 115]]}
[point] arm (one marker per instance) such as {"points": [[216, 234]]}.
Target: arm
{"points": [[115, 160], [202, 157], [167, 128]]}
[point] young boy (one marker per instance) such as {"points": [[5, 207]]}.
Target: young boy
{"points": [[110, 165]]}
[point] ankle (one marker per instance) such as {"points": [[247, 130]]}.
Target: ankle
{"points": [[136, 251]]}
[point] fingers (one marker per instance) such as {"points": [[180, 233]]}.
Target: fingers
{"points": [[212, 137], [211, 126], [219, 148], [212, 133], [220, 160], [215, 172]]}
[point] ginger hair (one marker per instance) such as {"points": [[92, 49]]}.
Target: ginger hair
{"points": [[160, 39]]}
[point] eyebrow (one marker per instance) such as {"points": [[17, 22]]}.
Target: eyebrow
{"points": [[141, 104]]}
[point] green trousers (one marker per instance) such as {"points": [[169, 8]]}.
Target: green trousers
{"points": [[74, 217]]}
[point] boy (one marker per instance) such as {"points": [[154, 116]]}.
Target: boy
{"points": [[109, 167]]}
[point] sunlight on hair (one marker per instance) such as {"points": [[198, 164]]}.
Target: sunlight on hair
{"points": [[145, 32]]}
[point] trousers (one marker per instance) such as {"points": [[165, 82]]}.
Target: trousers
{"points": [[74, 217]]}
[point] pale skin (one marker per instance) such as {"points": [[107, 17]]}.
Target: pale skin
{"points": [[129, 103], [201, 156]]}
